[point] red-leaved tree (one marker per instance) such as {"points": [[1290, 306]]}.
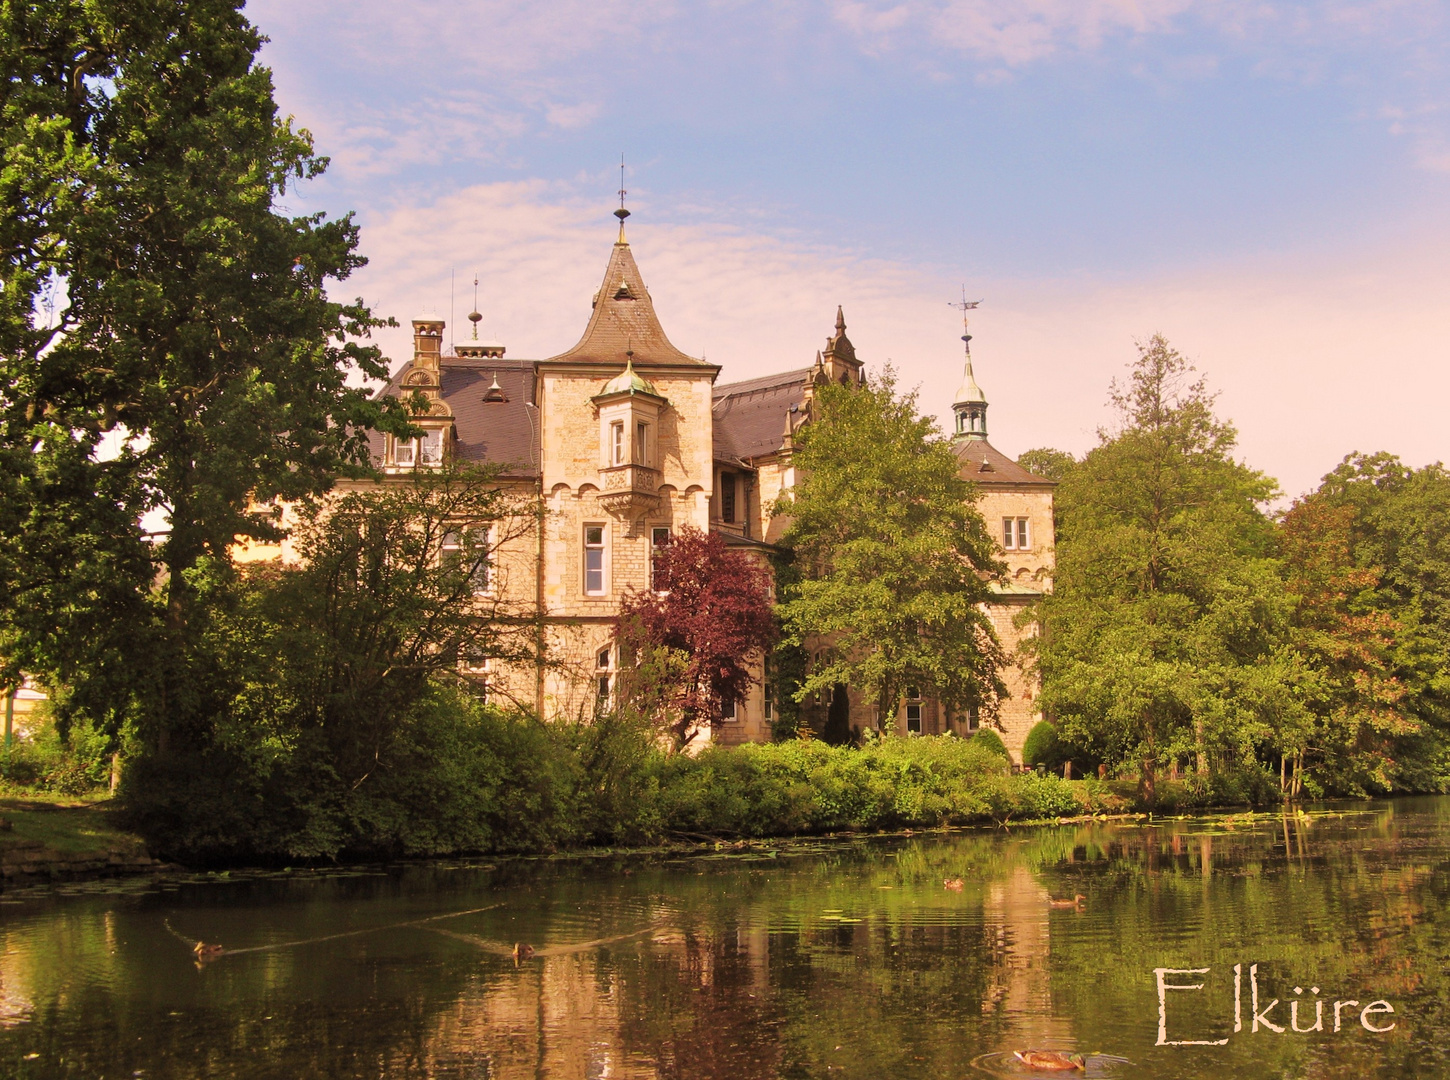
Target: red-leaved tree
{"points": [[689, 640]]}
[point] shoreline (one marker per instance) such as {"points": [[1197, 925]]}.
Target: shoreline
{"points": [[59, 843]]}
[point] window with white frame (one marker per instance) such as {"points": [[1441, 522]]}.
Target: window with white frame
{"points": [[477, 666], [1016, 534], [603, 672], [467, 551], [616, 443], [641, 443], [729, 712], [913, 710], [405, 451], [974, 719], [431, 447], [594, 560]]}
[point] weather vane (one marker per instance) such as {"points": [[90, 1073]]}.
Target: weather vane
{"points": [[965, 305]]}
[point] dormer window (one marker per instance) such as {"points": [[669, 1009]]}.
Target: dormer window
{"points": [[431, 447], [405, 452]]}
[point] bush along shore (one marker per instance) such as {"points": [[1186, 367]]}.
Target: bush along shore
{"points": [[462, 779]]}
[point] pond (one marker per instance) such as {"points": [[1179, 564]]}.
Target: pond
{"points": [[933, 955]]}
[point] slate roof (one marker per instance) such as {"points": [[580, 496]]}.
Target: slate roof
{"points": [[501, 432], [983, 463], [624, 319], [750, 415]]}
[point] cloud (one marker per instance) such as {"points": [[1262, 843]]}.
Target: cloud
{"points": [[1316, 355]]}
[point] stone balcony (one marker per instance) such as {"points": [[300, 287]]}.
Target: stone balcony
{"points": [[629, 490]]}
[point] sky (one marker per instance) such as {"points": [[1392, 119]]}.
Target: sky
{"points": [[1265, 183]]}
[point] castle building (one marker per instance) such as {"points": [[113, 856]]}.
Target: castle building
{"points": [[620, 441]]}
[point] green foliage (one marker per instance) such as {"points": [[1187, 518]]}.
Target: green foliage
{"points": [[987, 739], [155, 294], [76, 761], [1166, 633], [807, 786], [1400, 531], [1043, 747], [1048, 463], [456, 777], [893, 558]]}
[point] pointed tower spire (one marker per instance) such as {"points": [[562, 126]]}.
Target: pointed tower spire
{"points": [[970, 405]]}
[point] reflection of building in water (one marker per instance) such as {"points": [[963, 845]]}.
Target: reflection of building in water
{"points": [[556, 1017], [1016, 916]]}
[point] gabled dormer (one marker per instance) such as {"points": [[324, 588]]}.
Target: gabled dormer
{"points": [[421, 390]]}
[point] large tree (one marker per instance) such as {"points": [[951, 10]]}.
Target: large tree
{"points": [[688, 642], [167, 340], [1400, 530], [893, 562], [1355, 714], [1165, 635]]}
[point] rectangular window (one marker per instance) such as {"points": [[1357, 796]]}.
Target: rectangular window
{"points": [[728, 712], [594, 560], [602, 679], [431, 445], [658, 538], [403, 451], [616, 443], [769, 709], [727, 497], [1009, 534], [973, 718], [1024, 540], [913, 710], [641, 443], [467, 552]]}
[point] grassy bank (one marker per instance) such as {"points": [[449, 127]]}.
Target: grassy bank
{"points": [[59, 837]]}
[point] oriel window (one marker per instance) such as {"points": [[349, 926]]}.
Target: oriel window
{"points": [[594, 560], [616, 443], [641, 443]]}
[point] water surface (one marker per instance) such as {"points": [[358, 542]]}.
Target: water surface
{"points": [[838, 958]]}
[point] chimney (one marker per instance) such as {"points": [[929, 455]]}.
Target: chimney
{"points": [[427, 343]]}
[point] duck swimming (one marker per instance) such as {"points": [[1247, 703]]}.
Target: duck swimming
{"points": [[952, 883], [204, 951], [1075, 902], [1050, 1060], [522, 952]]}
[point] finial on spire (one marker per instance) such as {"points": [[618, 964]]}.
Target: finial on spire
{"points": [[473, 316], [621, 213], [840, 320]]}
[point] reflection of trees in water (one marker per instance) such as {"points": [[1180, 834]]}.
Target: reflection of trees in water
{"points": [[764, 968]]}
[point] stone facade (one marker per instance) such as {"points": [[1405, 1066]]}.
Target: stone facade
{"points": [[622, 440]]}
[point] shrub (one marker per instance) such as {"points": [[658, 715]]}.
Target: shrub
{"points": [[986, 738], [1043, 747], [74, 763]]}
